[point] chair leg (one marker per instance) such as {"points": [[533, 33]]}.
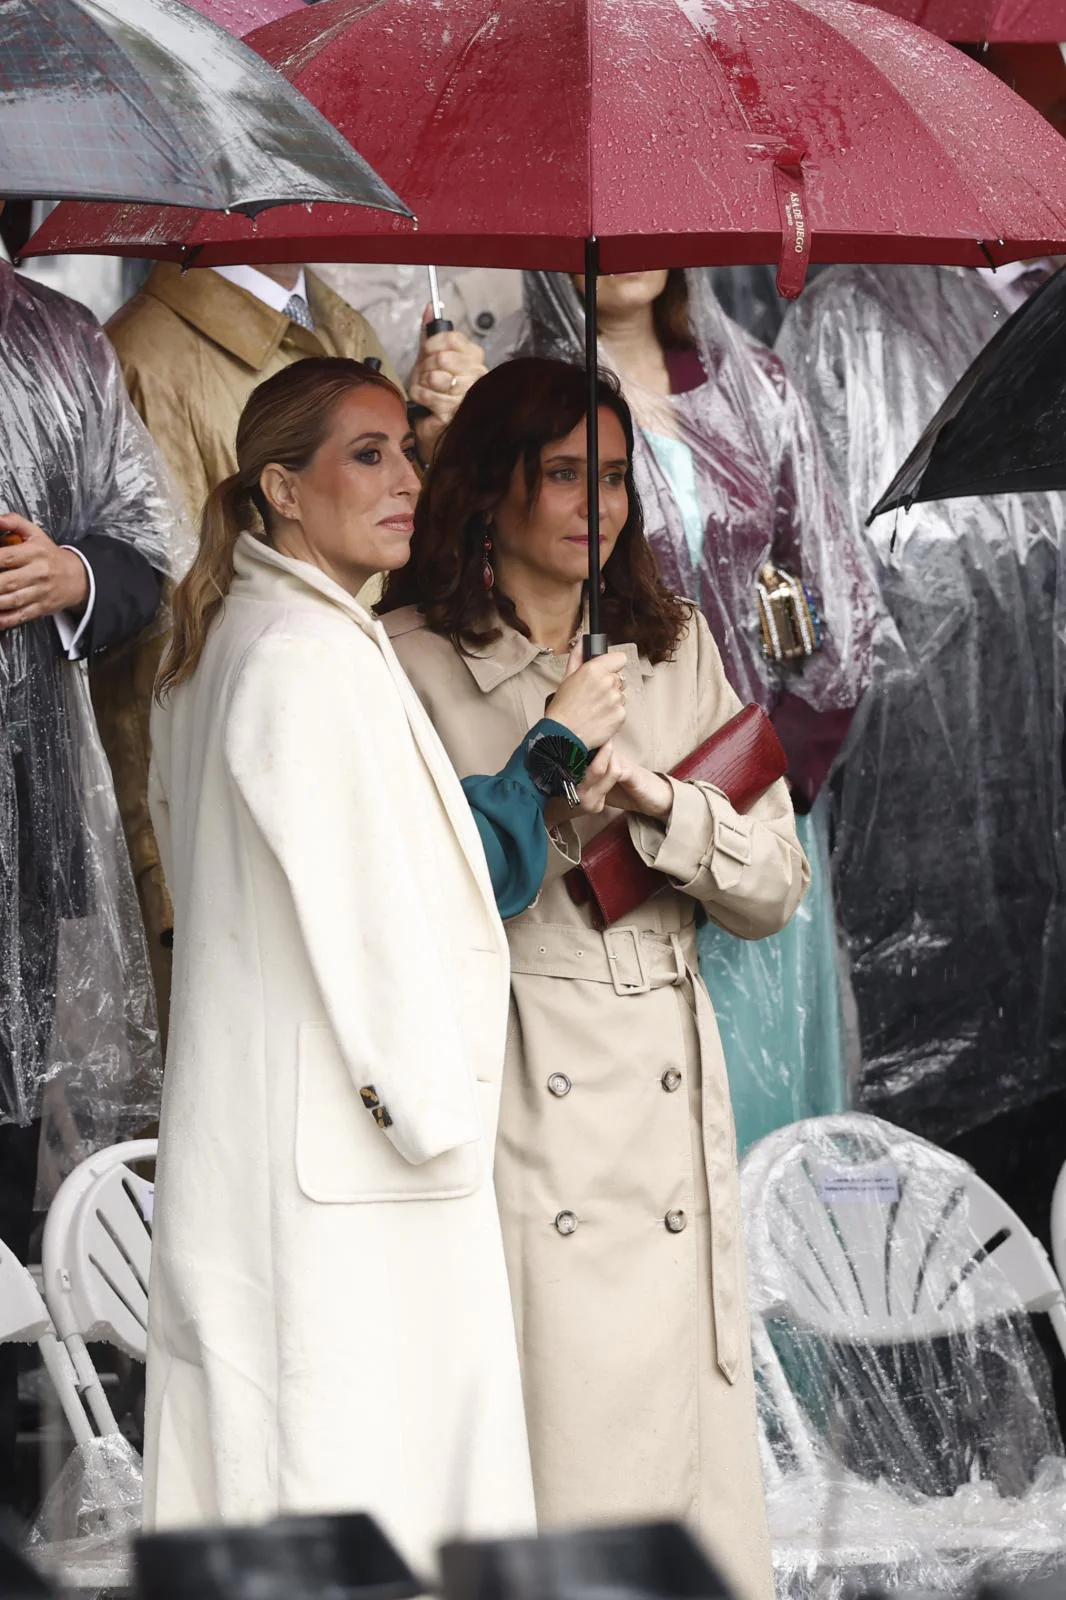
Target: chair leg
{"points": [[89, 1386], [1057, 1318], [60, 1369]]}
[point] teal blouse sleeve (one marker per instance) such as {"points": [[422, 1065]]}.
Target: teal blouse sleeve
{"points": [[509, 811]]}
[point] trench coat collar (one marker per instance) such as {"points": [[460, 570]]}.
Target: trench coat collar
{"points": [[229, 316], [492, 664]]}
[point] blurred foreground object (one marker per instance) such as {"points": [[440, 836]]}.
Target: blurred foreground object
{"points": [[340, 1557], [642, 1561]]}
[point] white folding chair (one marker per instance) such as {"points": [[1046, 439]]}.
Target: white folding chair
{"points": [[1058, 1226], [96, 1261], [863, 1237], [24, 1319]]}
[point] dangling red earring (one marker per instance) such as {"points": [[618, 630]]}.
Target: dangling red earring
{"points": [[488, 577]]}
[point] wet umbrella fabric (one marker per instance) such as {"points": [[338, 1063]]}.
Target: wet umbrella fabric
{"points": [[146, 100], [985, 21], [517, 132], [521, 134], [1002, 429], [239, 17]]}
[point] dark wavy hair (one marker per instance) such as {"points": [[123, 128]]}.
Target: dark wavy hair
{"points": [[670, 313], [507, 418]]}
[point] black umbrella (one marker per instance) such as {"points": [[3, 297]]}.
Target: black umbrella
{"points": [[146, 100], [1002, 429]]}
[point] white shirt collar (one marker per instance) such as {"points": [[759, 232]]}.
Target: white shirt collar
{"points": [[264, 288]]}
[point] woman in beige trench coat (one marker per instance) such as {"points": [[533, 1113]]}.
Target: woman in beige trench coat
{"points": [[616, 1161]]}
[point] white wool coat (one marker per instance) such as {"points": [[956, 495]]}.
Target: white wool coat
{"points": [[330, 1324]]}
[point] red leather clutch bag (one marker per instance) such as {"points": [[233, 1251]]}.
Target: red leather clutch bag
{"points": [[742, 759]]}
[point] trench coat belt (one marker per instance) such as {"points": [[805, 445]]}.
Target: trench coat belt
{"points": [[635, 961]]}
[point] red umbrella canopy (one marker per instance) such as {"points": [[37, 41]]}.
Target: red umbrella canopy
{"points": [[678, 131], [241, 16], [985, 21]]}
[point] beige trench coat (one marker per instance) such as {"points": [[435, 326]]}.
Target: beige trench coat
{"points": [[616, 1158]]}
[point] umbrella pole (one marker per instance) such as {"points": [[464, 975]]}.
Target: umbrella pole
{"points": [[595, 642]]}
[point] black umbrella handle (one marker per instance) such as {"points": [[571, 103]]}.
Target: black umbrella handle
{"points": [[438, 325], [595, 641]]}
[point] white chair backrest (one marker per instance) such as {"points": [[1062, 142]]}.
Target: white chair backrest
{"points": [[861, 1231], [1058, 1223], [110, 1261], [98, 1248]]}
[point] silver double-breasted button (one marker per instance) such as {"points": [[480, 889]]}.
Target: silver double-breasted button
{"points": [[566, 1222], [671, 1079], [559, 1084], [676, 1221]]}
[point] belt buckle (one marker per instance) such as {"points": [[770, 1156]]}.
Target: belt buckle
{"points": [[642, 986]]}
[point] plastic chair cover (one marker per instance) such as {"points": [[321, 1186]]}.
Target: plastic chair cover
{"points": [[904, 1400], [950, 841], [78, 1009], [84, 1531]]}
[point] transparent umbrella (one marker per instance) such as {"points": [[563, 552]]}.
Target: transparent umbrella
{"points": [[146, 100]]}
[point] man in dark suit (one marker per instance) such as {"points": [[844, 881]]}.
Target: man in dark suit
{"points": [[87, 523]]}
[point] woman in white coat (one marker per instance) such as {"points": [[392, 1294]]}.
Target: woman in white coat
{"points": [[330, 1323]]}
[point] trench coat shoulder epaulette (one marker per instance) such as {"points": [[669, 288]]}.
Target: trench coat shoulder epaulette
{"points": [[407, 620]]}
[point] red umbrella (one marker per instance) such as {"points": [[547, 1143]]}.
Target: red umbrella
{"points": [[985, 21], [678, 132], [241, 16], [674, 133]]}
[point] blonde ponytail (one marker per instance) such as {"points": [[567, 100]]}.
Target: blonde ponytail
{"points": [[198, 598], [285, 421]]}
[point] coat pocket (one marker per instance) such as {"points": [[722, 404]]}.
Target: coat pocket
{"points": [[343, 1157]]}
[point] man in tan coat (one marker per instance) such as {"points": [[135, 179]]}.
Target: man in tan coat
{"points": [[193, 346]]}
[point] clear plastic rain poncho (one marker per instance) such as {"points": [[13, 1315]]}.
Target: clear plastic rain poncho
{"points": [[906, 1418], [77, 1012], [951, 838], [731, 476]]}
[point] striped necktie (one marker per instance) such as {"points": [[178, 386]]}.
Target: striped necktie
{"points": [[297, 310]]}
